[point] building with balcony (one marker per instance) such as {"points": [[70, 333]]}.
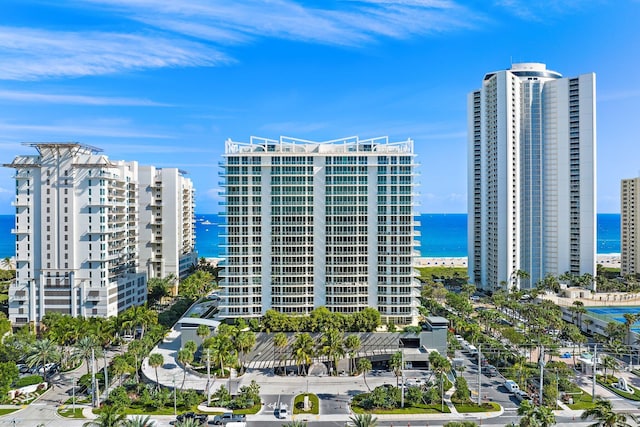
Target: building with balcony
{"points": [[167, 237], [532, 177], [77, 231], [311, 224], [629, 223]]}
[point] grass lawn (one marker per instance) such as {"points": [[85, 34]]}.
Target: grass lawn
{"points": [[6, 411], [418, 409], [298, 404], [472, 407], [583, 402], [68, 412], [249, 411]]}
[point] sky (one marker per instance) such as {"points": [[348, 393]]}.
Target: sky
{"points": [[166, 82]]}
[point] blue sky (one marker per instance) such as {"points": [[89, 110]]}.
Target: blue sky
{"points": [[166, 82]]}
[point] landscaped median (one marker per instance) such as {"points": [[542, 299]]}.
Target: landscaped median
{"points": [[610, 380], [314, 404], [474, 407]]}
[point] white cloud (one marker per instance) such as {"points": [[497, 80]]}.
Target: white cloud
{"points": [[29, 54], [18, 96], [72, 131]]}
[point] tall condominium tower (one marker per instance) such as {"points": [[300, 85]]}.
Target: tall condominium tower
{"points": [[532, 176], [78, 223], [167, 239], [313, 224], [629, 223]]}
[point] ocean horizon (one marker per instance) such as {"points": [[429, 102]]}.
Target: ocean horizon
{"points": [[441, 235]]}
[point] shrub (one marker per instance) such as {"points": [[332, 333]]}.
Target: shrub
{"points": [[29, 380]]}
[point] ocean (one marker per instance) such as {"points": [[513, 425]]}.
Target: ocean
{"points": [[441, 235]]}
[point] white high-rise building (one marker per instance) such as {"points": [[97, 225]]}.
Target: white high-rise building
{"points": [[78, 228], [313, 224], [532, 176], [167, 241], [629, 223]]}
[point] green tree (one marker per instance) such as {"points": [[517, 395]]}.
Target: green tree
{"points": [[203, 332], [85, 347], [395, 363], [535, 416], [222, 350], [43, 352], [280, 342], [120, 366], [352, 344], [191, 346], [155, 361], [364, 366], [295, 423], [362, 420], [303, 351], [185, 357], [332, 346], [244, 342], [604, 416], [8, 374], [110, 416], [462, 393], [188, 422], [609, 362]]}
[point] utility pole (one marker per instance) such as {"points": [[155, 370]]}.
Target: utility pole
{"points": [[479, 374], [208, 379], [106, 376], [541, 364], [94, 390], [595, 366], [73, 384], [175, 406], [402, 374]]}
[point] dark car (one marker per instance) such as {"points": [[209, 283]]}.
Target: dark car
{"points": [[490, 371], [201, 418]]}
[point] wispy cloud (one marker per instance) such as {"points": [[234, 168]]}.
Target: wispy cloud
{"points": [[191, 33], [28, 54], [30, 97], [543, 9], [293, 127], [73, 131], [618, 96]]}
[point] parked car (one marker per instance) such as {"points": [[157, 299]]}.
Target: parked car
{"points": [[229, 417], [490, 371], [521, 395], [201, 418]]}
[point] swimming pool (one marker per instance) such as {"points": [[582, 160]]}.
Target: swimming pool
{"points": [[617, 314]]}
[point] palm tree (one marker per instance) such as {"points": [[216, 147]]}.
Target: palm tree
{"points": [[364, 366], [139, 422], [352, 344], [362, 420], [609, 362], [395, 363], [280, 341], [332, 346], [43, 352], [85, 347], [244, 342], [139, 316], [191, 346], [203, 332], [110, 416], [184, 357], [629, 320], [295, 423], [120, 366], [303, 350], [222, 350], [602, 412], [8, 263], [155, 361], [535, 416]]}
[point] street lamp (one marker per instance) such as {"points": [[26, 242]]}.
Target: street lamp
{"points": [[175, 406], [401, 345]]}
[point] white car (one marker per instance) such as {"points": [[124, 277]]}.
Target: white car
{"points": [[282, 412]]}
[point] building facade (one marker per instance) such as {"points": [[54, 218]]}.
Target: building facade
{"points": [[629, 221], [77, 231], [531, 177], [167, 237], [312, 224]]}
